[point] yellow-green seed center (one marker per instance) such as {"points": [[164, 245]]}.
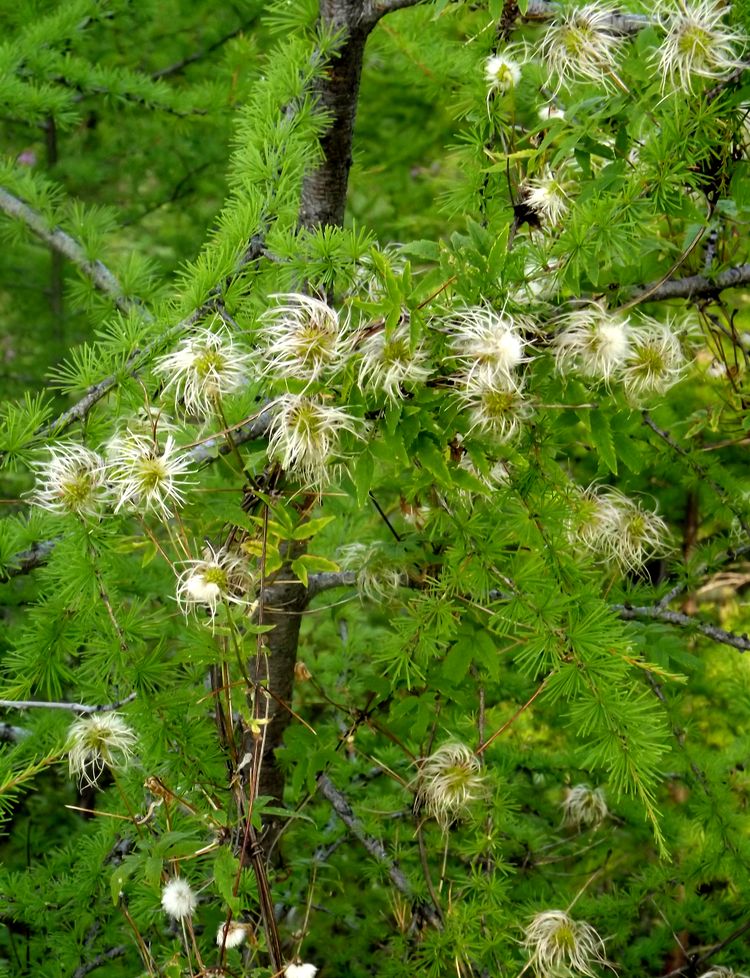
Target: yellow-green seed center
{"points": [[216, 576], [209, 363], [153, 472], [77, 490]]}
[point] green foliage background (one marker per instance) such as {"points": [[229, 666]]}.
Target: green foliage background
{"points": [[164, 136]]}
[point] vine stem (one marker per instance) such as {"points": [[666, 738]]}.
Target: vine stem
{"points": [[483, 747]]}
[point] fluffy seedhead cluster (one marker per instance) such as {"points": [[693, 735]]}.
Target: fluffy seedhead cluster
{"points": [[720, 971], [178, 899], [502, 73], [495, 411], [391, 363], [218, 577], [205, 367], [301, 337], [593, 342], [97, 742], [305, 435], [599, 345], [377, 579], [449, 781], [302, 970], [580, 44], [489, 346], [584, 807], [655, 361], [71, 481], [231, 935], [548, 195], [146, 476], [697, 43], [617, 530], [559, 945]]}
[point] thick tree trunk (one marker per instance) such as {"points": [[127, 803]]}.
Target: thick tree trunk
{"points": [[323, 203], [324, 189]]}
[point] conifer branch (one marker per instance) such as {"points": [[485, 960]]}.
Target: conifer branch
{"points": [[374, 846], [89, 966], [617, 23], [697, 468], [27, 560], [67, 246], [697, 286], [82, 708], [657, 613], [179, 66], [376, 9], [79, 410], [326, 581]]}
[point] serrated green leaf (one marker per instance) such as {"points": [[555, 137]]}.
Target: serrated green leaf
{"points": [[601, 436], [306, 530]]}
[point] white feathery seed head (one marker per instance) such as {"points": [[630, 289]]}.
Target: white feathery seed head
{"points": [[559, 945], [305, 434], [300, 971], [593, 342], [655, 361], [205, 367], [178, 899], [502, 73], [449, 781], [146, 475], [489, 344], [390, 362], [301, 336], [584, 807], [579, 44], [231, 935], [697, 44], [71, 481], [496, 409], [616, 529], [377, 579], [547, 195], [218, 577], [96, 742]]}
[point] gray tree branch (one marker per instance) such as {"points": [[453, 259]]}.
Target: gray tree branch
{"points": [[318, 583], [79, 410], [87, 967], [374, 846], [657, 613], [27, 560], [697, 286], [376, 9], [67, 246], [83, 708]]}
